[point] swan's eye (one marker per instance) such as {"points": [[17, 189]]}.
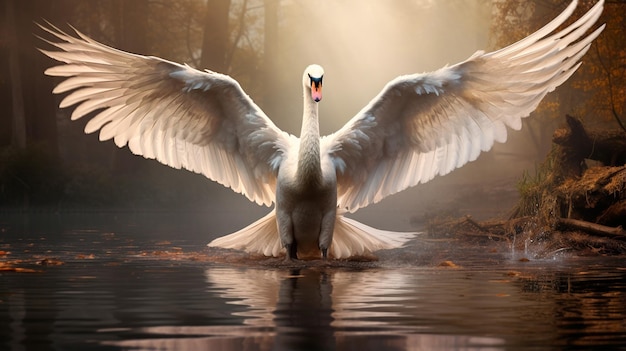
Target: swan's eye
{"points": [[316, 81]]}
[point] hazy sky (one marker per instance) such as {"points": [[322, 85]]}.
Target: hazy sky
{"points": [[362, 44]]}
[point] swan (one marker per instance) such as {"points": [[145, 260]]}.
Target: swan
{"points": [[417, 127]]}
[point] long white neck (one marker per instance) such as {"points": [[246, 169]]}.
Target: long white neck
{"points": [[309, 166]]}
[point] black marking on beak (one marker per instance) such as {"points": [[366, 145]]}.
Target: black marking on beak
{"points": [[316, 81]]}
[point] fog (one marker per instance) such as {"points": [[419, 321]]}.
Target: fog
{"points": [[362, 45]]}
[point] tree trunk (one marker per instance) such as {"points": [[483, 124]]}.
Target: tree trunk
{"points": [[574, 146], [18, 126], [577, 144], [132, 26], [270, 67], [216, 36], [38, 101]]}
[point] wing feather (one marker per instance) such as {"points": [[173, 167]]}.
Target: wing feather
{"points": [[429, 124], [182, 117]]}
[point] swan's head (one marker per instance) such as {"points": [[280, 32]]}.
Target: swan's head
{"points": [[312, 79]]}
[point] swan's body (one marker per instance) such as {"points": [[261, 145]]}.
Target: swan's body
{"points": [[306, 187], [420, 125]]}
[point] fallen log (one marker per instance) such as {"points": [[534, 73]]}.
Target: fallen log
{"points": [[592, 228]]}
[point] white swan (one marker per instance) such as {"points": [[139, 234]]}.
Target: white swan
{"points": [[420, 125]]}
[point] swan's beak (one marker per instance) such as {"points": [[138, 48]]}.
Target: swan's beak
{"points": [[316, 90]]}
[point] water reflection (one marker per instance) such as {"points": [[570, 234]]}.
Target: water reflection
{"points": [[311, 309], [108, 295], [303, 313]]}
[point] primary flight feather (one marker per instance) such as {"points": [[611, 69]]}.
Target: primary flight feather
{"points": [[417, 127]]}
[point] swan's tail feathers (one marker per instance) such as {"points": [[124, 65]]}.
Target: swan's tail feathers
{"points": [[259, 237], [352, 238]]}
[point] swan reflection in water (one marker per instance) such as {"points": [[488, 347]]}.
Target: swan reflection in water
{"points": [[313, 309]]}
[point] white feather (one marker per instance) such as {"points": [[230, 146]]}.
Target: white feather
{"points": [[417, 127], [351, 238], [455, 112]]}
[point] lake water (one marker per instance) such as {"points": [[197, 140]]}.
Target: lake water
{"points": [[147, 282]]}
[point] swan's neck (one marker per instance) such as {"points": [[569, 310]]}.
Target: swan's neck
{"points": [[309, 166]]}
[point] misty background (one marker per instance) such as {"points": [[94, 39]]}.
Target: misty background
{"points": [[46, 161]]}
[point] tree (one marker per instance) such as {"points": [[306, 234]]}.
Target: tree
{"points": [[597, 92], [32, 103], [607, 70], [18, 125], [270, 48], [216, 36]]}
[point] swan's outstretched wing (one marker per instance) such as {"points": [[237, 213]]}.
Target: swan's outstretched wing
{"points": [[182, 117], [422, 125]]}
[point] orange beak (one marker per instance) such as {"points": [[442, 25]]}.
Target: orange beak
{"points": [[316, 91]]}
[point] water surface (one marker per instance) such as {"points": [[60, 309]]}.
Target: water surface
{"points": [[115, 282]]}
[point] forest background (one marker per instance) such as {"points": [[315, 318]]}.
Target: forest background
{"points": [[47, 162]]}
